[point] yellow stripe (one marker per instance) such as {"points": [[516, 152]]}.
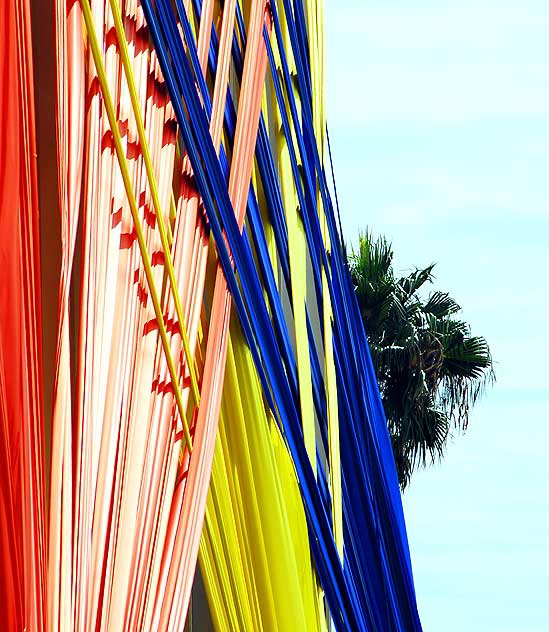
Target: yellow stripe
{"points": [[297, 249], [315, 25]]}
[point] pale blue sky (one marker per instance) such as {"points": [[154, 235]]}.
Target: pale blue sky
{"points": [[439, 121]]}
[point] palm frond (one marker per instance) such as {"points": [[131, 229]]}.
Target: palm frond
{"points": [[440, 304], [467, 358], [416, 279]]}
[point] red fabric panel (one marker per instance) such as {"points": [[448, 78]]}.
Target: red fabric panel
{"points": [[21, 428]]}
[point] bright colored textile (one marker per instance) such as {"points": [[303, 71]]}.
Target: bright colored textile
{"points": [[22, 554], [381, 596], [254, 552], [207, 330]]}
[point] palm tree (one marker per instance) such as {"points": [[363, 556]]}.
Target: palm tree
{"points": [[431, 371]]}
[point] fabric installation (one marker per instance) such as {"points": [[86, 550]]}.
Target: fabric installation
{"points": [[213, 397]]}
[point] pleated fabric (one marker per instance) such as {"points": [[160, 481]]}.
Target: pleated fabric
{"points": [[22, 534], [361, 551], [133, 438], [214, 396], [254, 552], [122, 425]]}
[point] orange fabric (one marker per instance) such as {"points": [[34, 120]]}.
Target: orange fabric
{"points": [[22, 556]]}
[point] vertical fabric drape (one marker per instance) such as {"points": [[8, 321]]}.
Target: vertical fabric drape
{"points": [[22, 532], [214, 394]]}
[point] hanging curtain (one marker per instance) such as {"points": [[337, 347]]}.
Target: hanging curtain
{"points": [[366, 574], [213, 395], [22, 536], [122, 424]]}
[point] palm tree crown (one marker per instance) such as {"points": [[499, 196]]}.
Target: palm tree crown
{"points": [[430, 369]]}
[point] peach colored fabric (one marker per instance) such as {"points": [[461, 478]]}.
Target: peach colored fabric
{"points": [[127, 501]]}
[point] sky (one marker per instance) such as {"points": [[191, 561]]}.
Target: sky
{"points": [[438, 113]]}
